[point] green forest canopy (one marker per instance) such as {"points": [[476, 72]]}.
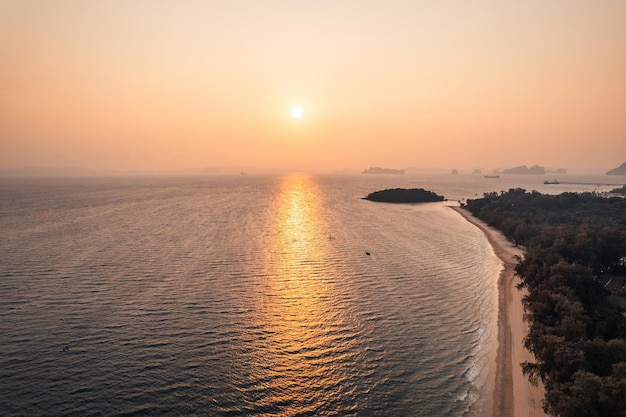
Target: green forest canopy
{"points": [[578, 336], [403, 195]]}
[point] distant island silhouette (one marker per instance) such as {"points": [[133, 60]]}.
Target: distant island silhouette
{"points": [[561, 171], [535, 169], [404, 195], [379, 170], [620, 170]]}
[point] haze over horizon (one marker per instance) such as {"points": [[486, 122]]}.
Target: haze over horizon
{"points": [[163, 85]]}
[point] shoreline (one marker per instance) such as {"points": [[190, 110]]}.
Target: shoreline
{"points": [[512, 393]]}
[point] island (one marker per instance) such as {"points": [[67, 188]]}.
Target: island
{"points": [[379, 170], [534, 170], [620, 170], [404, 195], [561, 171]]}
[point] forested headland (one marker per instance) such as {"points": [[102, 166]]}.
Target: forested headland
{"points": [[403, 195], [575, 272]]}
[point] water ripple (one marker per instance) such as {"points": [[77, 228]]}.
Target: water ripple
{"points": [[239, 296]]}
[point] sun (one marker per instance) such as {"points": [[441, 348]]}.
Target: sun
{"points": [[297, 112]]}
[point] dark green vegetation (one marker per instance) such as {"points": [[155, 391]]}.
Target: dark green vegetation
{"points": [[403, 195], [575, 246]]}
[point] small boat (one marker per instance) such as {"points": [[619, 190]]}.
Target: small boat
{"points": [[551, 182]]}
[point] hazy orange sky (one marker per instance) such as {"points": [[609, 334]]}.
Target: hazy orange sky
{"points": [[163, 85]]}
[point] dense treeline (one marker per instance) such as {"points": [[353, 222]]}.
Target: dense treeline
{"points": [[577, 333], [403, 195]]}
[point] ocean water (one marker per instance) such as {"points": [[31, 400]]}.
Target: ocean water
{"points": [[245, 295]]}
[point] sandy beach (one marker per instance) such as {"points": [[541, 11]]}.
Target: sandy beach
{"points": [[513, 394]]}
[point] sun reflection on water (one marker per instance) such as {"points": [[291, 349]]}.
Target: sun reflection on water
{"points": [[305, 352]]}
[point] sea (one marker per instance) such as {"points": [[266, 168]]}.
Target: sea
{"points": [[247, 295]]}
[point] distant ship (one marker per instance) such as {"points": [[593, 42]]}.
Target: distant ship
{"points": [[551, 182], [492, 176]]}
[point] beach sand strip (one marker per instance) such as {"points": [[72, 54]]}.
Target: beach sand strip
{"points": [[513, 394]]}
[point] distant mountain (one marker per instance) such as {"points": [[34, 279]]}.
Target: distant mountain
{"points": [[379, 170], [535, 170], [477, 172], [455, 172], [620, 170]]}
